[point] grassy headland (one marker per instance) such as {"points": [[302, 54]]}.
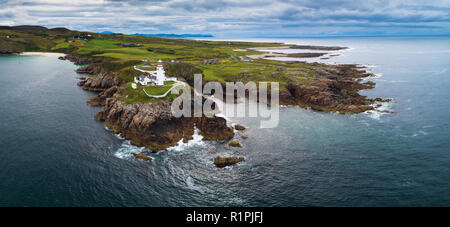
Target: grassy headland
{"points": [[118, 53]]}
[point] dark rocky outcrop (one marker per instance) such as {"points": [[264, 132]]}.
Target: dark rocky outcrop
{"points": [[100, 82], [214, 128], [335, 88], [227, 161], [141, 156], [152, 124], [100, 99]]}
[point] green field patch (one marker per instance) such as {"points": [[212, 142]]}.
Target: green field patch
{"points": [[61, 46], [99, 44], [133, 96], [133, 53], [169, 83], [157, 90]]}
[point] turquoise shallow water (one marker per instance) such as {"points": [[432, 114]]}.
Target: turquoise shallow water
{"points": [[53, 153]]}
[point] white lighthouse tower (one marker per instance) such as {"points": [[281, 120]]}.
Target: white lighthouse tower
{"points": [[160, 74]]}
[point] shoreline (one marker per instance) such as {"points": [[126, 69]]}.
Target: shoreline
{"points": [[47, 54]]}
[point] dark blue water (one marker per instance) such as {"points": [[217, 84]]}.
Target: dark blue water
{"points": [[53, 153]]}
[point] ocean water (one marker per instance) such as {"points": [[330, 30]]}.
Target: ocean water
{"points": [[53, 152]]}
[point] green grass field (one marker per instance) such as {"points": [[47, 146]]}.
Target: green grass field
{"points": [[155, 90]]}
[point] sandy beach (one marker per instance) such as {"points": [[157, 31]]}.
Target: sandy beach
{"points": [[42, 54]]}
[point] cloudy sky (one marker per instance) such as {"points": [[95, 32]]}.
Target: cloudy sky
{"points": [[236, 18]]}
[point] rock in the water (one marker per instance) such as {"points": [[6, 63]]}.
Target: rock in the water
{"points": [[244, 137], [142, 156], [227, 161], [235, 143], [239, 127]]}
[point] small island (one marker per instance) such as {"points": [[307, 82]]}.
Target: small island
{"points": [[134, 75]]}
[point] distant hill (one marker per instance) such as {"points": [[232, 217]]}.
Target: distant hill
{"points": [[24, 28], [174, 35], [60, 29], [107, 32]]}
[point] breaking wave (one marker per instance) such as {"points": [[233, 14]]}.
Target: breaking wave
{"points": [[126, 150], [381, 108], [196, 141]]}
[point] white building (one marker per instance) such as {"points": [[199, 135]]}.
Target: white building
{"points": [[160, 74], [157, 77], [145, 80]]}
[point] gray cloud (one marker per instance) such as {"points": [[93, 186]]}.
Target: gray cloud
{"points": [[235, 17]]}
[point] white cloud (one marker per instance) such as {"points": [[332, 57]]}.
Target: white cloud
{"points": [[232, 16]]}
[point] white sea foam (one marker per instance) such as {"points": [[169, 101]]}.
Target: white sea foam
{"points": [[118, 136], [420, 132], [126, 150], [373, 76], [196, 141], [377, 75], [191, 185], [369, 66], [385, 108]]}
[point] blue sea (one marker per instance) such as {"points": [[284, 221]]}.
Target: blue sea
{"points": [[53, 152]]}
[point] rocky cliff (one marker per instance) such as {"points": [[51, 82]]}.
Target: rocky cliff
{"points": [[334, 88], [100, 99], [99, 82], [152, 124]]}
